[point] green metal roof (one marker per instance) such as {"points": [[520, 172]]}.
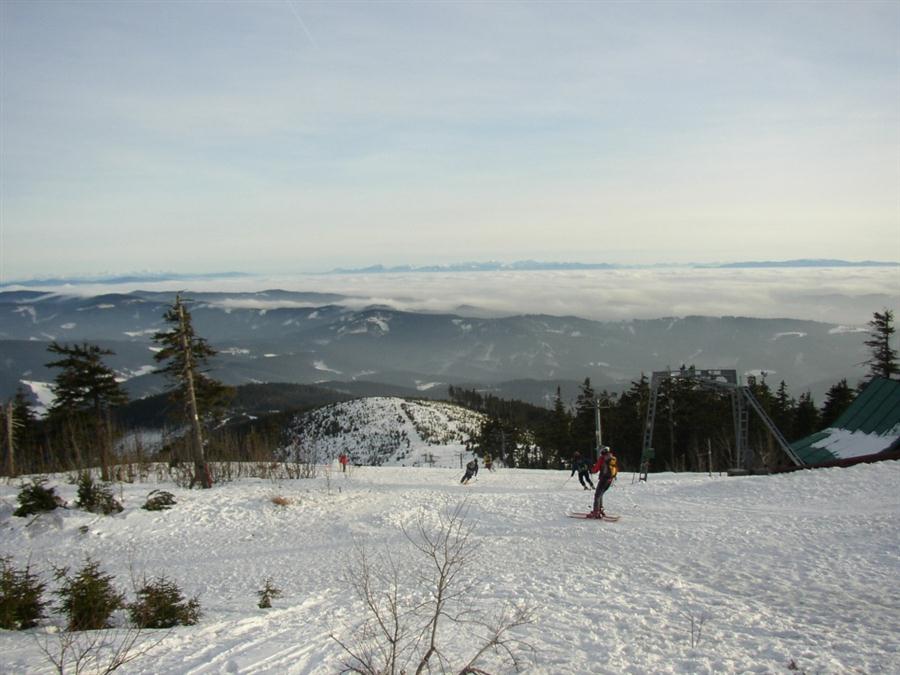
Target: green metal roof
{"points": [[870, 425], [876, 410]]}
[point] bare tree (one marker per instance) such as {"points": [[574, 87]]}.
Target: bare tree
{"points": [[407, 627]]}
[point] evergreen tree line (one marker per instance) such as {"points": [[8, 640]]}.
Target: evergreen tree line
{"points": [[694, 429], [80, 430]]}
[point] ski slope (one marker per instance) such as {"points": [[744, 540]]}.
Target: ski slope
{"points": [[795, 570], [384, 430]]}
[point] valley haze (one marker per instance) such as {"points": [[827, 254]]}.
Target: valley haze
{"points": [[843, 293]]}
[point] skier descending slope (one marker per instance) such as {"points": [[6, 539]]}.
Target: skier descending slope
{"points": [[607, 468], [583, 466], [471, 471]]}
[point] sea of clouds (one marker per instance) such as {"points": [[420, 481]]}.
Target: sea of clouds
{"points": [[832, 295]]}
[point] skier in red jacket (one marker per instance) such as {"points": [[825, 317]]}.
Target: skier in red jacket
{"points": [[607, 468]]}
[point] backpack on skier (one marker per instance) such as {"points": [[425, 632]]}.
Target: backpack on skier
{"points": [[613, 466]]}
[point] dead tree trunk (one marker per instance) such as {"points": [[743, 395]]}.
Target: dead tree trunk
{"points": [[10, 441]]}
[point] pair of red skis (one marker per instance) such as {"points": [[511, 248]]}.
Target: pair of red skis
{"points": [[591, 516]]}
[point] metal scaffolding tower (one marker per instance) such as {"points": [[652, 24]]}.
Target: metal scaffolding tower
{"points": [[742, 399]]}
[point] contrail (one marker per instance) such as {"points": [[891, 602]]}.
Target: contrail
{"points": [[302, 23]]}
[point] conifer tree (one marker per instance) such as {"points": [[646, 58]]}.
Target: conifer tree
{"points": [[86, 387], [555, 436], [584, 422], [837, 399], [629, 414], [782, 412], [498, 439], [883, 360], [186, 357], [806, 417]]}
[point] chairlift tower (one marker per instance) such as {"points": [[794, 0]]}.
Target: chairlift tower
{"points": [[742, 400]]}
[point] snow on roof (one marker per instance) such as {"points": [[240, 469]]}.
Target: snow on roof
{"points": [[843, 444], [871, 425]]}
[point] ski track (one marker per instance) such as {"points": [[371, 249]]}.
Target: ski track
{"points": [[799, 567]]}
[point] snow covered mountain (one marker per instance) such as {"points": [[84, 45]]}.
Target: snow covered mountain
{"points": [[384, 431], [281, 336]]}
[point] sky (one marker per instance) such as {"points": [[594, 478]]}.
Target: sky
{"points": [[290, 136]]}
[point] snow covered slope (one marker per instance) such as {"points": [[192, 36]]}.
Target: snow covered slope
{"points": [[798, 568], [385, 431]]}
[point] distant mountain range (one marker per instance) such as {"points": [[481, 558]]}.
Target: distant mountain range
{"points": [[535, 265], [489, 266], [112, 279], [309, 338]]}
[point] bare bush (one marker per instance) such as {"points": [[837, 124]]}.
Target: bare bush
{"points": [[410, 613], [697, 619], [96, 652], [181, 474]]}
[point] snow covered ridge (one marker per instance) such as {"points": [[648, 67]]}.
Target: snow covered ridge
{"points": [[384, 431]]}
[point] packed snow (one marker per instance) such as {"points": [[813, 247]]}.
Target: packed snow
{"points": [[764, 574]]}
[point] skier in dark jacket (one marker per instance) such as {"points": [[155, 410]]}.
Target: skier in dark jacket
{"points": [[471, 471], [607, 468], [583, 467]]}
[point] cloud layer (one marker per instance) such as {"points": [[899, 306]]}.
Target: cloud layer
{"points": [[832, 295]]}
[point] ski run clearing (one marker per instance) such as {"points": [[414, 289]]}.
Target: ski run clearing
{"points": [[763, 574]]}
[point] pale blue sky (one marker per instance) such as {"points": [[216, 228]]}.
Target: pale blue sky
{"points": [[300, 136]]}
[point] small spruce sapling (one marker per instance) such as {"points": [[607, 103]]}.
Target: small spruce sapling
{"points": [[21, 604], [88, 598], [35, 498], [268, 593], [161, 604], [96, 497]]}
